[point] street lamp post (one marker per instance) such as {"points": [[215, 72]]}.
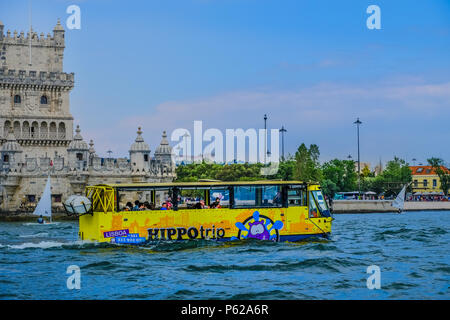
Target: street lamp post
{"points": [[265, 138], [185, 136], [282, 130], [358, 123]]}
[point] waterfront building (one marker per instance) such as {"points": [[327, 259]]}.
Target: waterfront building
{"points": [[425, 179], [37, 129]]}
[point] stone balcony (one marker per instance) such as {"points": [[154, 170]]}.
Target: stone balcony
{"points": [[22, 77]]}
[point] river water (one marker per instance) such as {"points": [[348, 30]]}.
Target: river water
{"points": [[411, 250]]}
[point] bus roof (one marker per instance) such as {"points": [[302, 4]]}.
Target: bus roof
{"points": [[206, 184]]}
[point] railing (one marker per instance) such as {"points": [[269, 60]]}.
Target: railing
{"points": [[40, 136], [102, 198]]}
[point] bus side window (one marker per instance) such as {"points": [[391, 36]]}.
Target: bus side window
{"points": [[296, 197]]}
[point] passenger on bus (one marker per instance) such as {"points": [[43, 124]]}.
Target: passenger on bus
{"points": [[149, 206], [169, 203], [136, 205], [200, 205], [128, 206], [216, 204]]}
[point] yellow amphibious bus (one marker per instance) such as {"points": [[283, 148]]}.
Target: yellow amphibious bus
{"points": [[223, 211]]}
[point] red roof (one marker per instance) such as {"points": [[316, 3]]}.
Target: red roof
{"points": [[425, 170]]}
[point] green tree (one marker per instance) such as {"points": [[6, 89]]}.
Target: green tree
{"points": [[396, 174], [338, 176], [228, 172], [307, 166], [285, 170], [442, 172]]}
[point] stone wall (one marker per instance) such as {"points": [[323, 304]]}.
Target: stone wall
{"points": [[373, 206]]}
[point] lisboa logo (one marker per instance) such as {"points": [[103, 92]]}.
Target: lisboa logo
{"points": [[255, 228]]}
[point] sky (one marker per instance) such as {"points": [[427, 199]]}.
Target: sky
{"points": [[312, 66]]}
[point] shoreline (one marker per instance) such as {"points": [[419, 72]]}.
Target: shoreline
{"points": [[384, 206]]}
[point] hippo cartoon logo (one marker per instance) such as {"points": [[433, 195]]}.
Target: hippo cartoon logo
{"points": [[256, 228]]}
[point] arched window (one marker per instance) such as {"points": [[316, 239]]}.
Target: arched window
{"points": [[6, 128], [17, 99], [25, 130], [6, 158], [79, 156], [61, 130], [52, 130], [44, 100], [44, 130]]}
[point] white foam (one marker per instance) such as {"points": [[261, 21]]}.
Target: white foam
{"points": [[42, 245], [40, 234], [40, 224]]}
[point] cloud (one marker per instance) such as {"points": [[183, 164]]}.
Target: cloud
{"points": [[329, 101], [320, 109]]}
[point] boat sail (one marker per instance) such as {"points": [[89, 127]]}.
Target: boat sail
{"points": [[399, 202], [44, 207]]}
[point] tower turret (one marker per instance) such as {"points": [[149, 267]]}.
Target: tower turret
{"points": [[78, 150], [164, 151], [58, 34], [11, 151], [139, 153]]}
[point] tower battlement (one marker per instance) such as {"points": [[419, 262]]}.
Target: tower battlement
{"points": [[31, 51], [16, 38]]}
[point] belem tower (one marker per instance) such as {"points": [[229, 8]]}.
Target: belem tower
{"points": [[37, 130]]}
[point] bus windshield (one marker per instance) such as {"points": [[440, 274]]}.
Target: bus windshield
{"points": [[322, 204]]}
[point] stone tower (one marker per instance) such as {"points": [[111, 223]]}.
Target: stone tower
{"points": [[34, 92], [140, 154], [36, 130], [163, 156]]}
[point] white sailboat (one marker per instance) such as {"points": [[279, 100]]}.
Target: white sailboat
{"points": [[399, 202], [44, 207]]}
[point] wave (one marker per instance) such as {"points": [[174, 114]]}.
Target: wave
{"points": [[51, 244], [40, 234], [327, 264], [41, 224], [103, 265], [421, 235], [39, 245]]}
